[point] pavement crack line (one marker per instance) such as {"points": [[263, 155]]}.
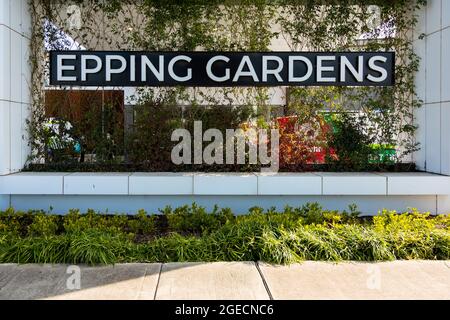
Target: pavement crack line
{"points": [[157, 283], [142, 283], [266, 285]]}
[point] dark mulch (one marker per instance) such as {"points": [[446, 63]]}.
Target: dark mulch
{"points": [[123, 167]]}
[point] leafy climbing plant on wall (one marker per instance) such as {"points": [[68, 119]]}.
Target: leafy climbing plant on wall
{"points": [[380, 121]]}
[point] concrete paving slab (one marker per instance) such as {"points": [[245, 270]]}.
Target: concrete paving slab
{"points": [[32, 281], [219, 280], [119, 282], [7, 273], [352, 280], [123, 281]]}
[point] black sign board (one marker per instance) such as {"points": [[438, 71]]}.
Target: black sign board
{"points": [[224, 69]]}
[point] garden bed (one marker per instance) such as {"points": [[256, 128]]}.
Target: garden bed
{"points": [[121, 167], [193, 234]]}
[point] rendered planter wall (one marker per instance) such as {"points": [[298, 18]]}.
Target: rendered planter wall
{"points": [[129, 192]]}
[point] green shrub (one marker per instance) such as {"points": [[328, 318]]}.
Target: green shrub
{"points": [[391, 222], [195, 219], [11, 222], [313, 213], [43, 225], [442, 222], [293, 235], [75, 222], [350, 141], [142, 223]]}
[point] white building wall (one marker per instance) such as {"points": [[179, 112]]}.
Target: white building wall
{"points": [[15, 75], [433, 87]]}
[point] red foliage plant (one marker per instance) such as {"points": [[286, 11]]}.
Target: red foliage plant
{"points": [[303, 143]]}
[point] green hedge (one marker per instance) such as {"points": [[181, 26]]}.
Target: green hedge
{"points": [[190, 233]]}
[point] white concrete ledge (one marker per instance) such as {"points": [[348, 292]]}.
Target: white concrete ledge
{"points": [[264, 184], [33, 183], [161, 183], [285, 183], [225, 184], [353, 183], [96, 183], [420, 183]]}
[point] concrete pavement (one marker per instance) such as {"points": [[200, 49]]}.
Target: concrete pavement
{"points": [[386, 280], [229, 280]]}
